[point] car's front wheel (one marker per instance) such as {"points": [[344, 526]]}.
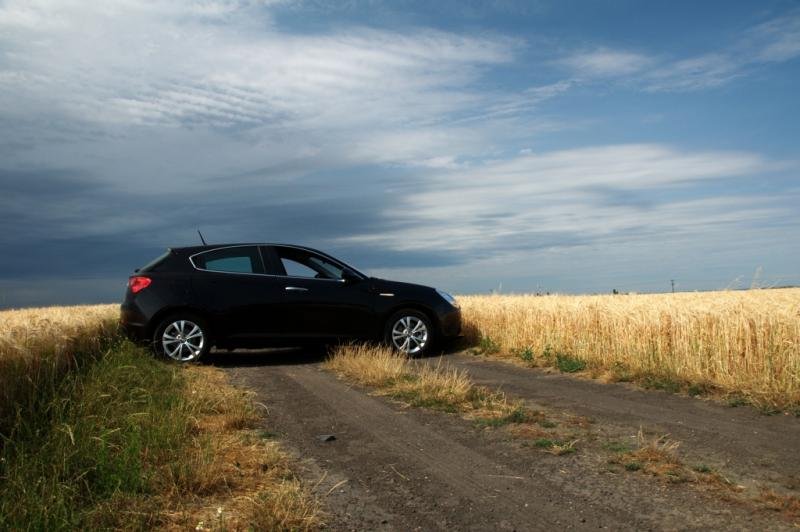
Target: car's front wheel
{"points": [[410, 332], [182, 337]]}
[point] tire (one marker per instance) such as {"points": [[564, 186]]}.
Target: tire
{"points": [[182, 337], [410, 332]]}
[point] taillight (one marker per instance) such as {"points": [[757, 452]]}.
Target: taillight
{"points": [[137, 283]]}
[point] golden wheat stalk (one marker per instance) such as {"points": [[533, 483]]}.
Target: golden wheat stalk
{"points": [[738, 341]]}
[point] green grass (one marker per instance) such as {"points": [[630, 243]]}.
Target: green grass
{"points": [[662, 382], [699, 388], [417, 399], [517, 415], [488, 346], [569, 364], [556, 447], [736, 400], [96, 445], [527, 355], [622, 373], [617, 447], [28, 383]]}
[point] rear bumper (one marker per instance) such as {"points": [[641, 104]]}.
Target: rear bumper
{"points": [[133, 324]]}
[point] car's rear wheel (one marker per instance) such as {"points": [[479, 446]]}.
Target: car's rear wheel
{"points": [[182, 338], [409, 331]]}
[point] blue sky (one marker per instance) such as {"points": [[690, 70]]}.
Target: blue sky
{"points": [[553, 146]]}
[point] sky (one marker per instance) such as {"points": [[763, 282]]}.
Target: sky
{"points": [[552, 146]]}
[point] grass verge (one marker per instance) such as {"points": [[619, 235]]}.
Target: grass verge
{"points": [[39, 346], [130, 442], [437, 387]]}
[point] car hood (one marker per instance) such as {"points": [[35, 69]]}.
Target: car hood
{"points": [[399, 287]]}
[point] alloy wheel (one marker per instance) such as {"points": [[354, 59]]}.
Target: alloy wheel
{"points": [[410, 335], [183, 340]]}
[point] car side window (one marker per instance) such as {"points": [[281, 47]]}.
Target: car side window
{"points": [[297, 269], [244, 259], [301, 263]]}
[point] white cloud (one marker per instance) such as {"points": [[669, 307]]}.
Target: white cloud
{"points": [[209, 63], [502, 106], [128, 78], [696, 73], [605, 62], [774, 41], [576, 196]]}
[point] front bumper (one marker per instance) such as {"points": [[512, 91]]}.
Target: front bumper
{"points": [[451, 323]]}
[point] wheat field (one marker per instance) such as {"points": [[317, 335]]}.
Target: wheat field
{"points": [[31, 331], [745, 342], [39, 344]]}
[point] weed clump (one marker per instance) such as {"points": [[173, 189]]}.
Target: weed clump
{"points": [[488, 346], [526, 355], [556, 447], [438, 387], [653, 455], [569, 364]]}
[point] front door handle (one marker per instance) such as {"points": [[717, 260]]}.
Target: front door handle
{"points": [[296, 289]]}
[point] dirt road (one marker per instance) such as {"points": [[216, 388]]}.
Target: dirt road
{"points": [[742, 442], [396, 468]]}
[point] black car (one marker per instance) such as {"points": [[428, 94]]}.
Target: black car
{"points": [[259, 295]]}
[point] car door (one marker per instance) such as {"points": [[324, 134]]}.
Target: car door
{"points": [[232, 285], [317, 301]]}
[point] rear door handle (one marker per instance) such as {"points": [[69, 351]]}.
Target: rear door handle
{"points": [[296, 289]]}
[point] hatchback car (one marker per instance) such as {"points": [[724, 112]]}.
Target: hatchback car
{"points": [[260, 295]]}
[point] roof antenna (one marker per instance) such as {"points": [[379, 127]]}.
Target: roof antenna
{"points": [[203, 240]]}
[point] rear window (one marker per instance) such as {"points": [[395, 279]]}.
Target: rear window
{"points": [[233, 260], [153, 265]]}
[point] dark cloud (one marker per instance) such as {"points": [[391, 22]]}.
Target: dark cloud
{"points": [[43, 184], [379, 257], [77, 257], [60, 291], [311, 212]]}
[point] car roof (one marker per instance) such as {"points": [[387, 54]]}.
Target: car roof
{"points": [[208, 247], [193, 250]]}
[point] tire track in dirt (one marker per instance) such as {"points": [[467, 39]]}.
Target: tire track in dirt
{"points": [[443, 483], [741, 440], [395, 468]]}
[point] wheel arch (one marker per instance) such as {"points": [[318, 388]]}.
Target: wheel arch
{"points": [[159, 316], [429, 313]]}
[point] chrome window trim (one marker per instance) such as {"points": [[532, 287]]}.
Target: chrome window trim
{"points": [[191, 261]]}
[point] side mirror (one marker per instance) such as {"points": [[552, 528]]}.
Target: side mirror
{"points": [[349, 276]]}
